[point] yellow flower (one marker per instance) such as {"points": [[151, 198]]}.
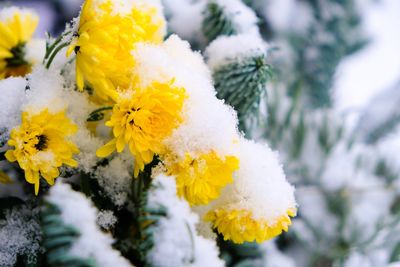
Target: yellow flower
{"points": [[105, 40], [239, 225], [142, 119], [41, 146], [16, 29], [200, 180]]}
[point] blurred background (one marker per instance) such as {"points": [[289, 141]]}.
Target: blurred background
{"points": [[333, 114]]}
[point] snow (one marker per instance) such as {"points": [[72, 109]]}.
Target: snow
{"points": [[259, 185], [176, 242], [380, 111], [35, 51], [11, 101], [116, 177], [77, 211], [275, 258], [228, 49], [244, 19], [373, 69], [185, 18], [46, 91]]}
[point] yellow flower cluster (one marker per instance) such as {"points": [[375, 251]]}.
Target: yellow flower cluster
{"points": [[41, 145], [142, 119], [146, 112], [105, 40], [15, 31], [200, 180], [240, 225]]}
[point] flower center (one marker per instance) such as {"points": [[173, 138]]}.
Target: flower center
{"points": [[18, 58], [132, 120], [42, 144]]}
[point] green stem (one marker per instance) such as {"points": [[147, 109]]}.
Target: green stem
{"points": [[53, 55], [192, 259], [50, 49]]}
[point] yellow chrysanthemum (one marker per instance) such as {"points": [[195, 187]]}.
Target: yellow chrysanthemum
{"points": [[16, 29], [142, 119], [41, 146], [239, 225], [200, 180], [105, 40]]}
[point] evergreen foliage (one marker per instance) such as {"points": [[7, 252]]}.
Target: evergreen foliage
{"points": [[328, 39], [242, 85], [58, 238], [216, 22]]}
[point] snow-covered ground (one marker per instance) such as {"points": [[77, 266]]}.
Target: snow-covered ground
{"points": [[377, 67]]}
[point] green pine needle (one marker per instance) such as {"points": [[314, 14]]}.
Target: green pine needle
{"points": [[58, 238], [216, 22], [242, 84]]}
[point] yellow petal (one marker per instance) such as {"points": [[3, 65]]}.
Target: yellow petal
{"points": [[10, 156], [37, 183], [107, 149]]}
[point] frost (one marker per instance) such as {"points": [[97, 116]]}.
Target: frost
{"points": [[106, 219], [19, 234]]}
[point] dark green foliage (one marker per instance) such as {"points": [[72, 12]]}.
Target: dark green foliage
{"points": [[384, 129], [216, 22], [317, 58], [241, 84], [383, 169], [147, 219], [244, 255], [328, 137], [395, 257], [58, 238]]}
